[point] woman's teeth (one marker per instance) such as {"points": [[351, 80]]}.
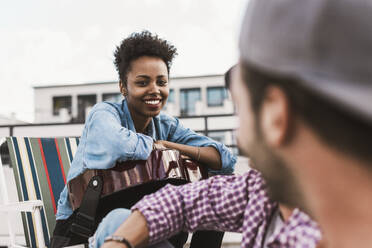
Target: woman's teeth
{"points": [[153, 102]]}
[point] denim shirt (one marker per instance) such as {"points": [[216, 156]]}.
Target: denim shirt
{"points": [[109, 135]]}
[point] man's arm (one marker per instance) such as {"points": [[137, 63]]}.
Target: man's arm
{"points": [[217, 203]]}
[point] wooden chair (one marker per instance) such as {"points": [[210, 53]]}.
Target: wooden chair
{"points": [[40, 167]]}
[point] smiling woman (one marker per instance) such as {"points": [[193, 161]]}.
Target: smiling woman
{"points": [[146, 89], [129, 130]]}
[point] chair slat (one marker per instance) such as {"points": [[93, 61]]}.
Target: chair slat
{"points": [[40, 167]]}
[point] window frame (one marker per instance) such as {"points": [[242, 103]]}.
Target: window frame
{"points": [[224, 95], [188, 90], [54, 102], [110, 93], [83, 118]]}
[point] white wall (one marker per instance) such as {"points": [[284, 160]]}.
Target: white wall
{"points": [[4, 131], [49, 130], [44, 96]]}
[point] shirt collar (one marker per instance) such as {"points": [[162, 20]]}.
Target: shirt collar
{"points": [[151, 131], [300, 229]]}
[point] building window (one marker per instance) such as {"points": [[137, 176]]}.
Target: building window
{"points": [[112, 97], [188, 99], [61, 102], [85, 103], [170, 99], [218, 136], [216, 96], [171, 96]]}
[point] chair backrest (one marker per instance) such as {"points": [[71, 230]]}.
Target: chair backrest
{"points": [[40, 168]]}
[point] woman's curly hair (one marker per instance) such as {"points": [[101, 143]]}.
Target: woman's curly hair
{"points": [[142, 44]]}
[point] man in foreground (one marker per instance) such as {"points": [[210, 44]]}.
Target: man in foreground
{"points": [[307, 109], [303, 91]]}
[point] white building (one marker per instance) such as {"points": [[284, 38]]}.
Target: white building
{"points": [[195, 99], [11, 120], [201, 103], [196, 95]]}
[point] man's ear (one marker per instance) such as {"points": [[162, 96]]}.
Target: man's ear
{"points": [[274, 116]]}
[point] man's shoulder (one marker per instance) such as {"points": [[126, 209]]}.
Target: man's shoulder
{"points": [[247, 180]]}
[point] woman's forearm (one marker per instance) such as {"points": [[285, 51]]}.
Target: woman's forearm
{"points": [[208, 156]]}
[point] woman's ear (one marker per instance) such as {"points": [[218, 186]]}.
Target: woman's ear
{"points": [[123, 89]]}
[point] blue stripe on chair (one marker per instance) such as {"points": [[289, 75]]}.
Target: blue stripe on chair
{"points": [[25, 192], [20, 170], [31, 230], [37, 189], [45, 228], [54, 167], [32, 165], [68, 145]]}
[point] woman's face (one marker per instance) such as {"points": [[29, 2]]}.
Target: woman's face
{"points": [[147, 86]]}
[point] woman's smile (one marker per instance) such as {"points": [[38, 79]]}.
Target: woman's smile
{"points": [[154, 104]]}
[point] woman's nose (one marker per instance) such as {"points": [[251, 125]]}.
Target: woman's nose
{"points": [[154, 88]]}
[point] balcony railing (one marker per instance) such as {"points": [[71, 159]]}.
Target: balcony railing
{"points": [[210, 125]]}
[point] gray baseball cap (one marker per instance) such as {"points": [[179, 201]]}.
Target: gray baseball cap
{"points": [[325, 44]]}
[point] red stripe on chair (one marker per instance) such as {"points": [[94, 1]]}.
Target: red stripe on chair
{"points": [[60, 160], [47, 175]]}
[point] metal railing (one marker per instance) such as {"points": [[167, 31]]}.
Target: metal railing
{"points": [[204, 124]]}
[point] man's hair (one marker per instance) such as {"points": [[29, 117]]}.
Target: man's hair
{"points": [[142, 44], [335, 125]]}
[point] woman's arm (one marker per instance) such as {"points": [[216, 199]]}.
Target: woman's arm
{"points": [[205, 155], [215, 155]]}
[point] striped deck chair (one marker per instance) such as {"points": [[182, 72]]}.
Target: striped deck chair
{"points": [[40, 167]]}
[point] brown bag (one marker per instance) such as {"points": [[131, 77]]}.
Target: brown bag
{"points": [[161, 164]]}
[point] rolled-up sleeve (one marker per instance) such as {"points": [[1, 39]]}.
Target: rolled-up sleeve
{"points": [[107, 141], [218, 203], [182, 135]]}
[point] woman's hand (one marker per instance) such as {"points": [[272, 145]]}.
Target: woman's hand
{"points": [[208, 156], [160, 144]]}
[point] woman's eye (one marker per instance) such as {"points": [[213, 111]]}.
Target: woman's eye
{"points": [[141, 83], [162, 83]]}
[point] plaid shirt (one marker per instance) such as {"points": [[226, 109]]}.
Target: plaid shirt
{"points": [[225, 203]]}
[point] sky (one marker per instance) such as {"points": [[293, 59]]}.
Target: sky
{"points": [[51, 42]]}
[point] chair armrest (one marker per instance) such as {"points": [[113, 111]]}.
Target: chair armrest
{"points": [[25, 206]]}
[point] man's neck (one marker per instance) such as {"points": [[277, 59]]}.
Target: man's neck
{"points": [[338, 191], [285, 212], [343, 206]]}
